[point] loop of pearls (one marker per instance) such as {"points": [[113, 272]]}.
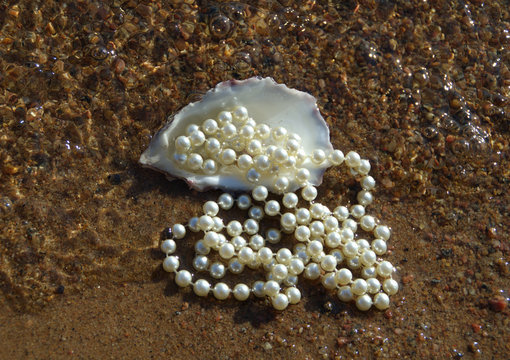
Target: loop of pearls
{"points": [[327, 249]]}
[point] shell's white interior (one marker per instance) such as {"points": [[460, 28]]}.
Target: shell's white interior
{"points": [[267, 102]]}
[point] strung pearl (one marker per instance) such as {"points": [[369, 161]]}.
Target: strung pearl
{"points": [[191, 129], [211, 238], [381, 301], [328, 263], [359, 287], [234, 228], [253, 175], [314, 247], [246, 255], [221, 291], [281, 184], [364, 302], [365, 198], [183, 278], [373, 285], [211, 208], [263, 131], [379, 246], [171, 264], [283, 256], [243, 202], [212, 146], [224, 117], [350, 249], [280, 302], [318, 156], [244, 162], [382, 231], [336, 157], [338, 256], [227, 251], [317, 228], [260, 193], [302, 233], [241, 292], [317, 211], [363, 244], [368, 258], [328, 281], [195, 161], [352, 159], [272, 208], [271, 288], [341, 213], [251, 227], [309, 193], [197, 138], [257, 242], [293, 294], [201, 262], [239, 242], [226, 201], [265, 255], [210, 126], [367, 183], [290, 200], [201, 287], [333, 240], [258, 288], [367, 223], [343, 276], [228, 156], [296, 266], [240, 113], [235, 267], [262, 162], [302, 175], [288, 220], [312, 271], [179, 231], [357, 211], [303, 216], [218, 224], [279, 272], [254, 147], [247, 132], [205, 223], [209, 167], [228, 131], [280, 155], [182, 143], [385, 269], [390, 286], [201, 248], [364, 167], [168, 246], [217, 270], [345, 294], [279, 133], [256, 213], [180, 158]]}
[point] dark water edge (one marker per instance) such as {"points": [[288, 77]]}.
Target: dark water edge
{"points": [[420, 88]]}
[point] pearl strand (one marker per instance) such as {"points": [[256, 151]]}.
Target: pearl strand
{"points": [[314, 228]]}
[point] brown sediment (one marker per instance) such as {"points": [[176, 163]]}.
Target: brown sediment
{"points": [[419, 88]]}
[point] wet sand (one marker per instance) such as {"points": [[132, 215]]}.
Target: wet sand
{"points": [[421, 89]]}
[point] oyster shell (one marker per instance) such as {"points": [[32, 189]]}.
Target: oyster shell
{"points": [[266, 102]]}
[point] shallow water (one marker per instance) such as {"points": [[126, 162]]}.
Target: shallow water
{"points": [[419, 88]]}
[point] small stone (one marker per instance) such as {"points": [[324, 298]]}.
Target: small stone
{"points": [[498, 303], [267, 346]]}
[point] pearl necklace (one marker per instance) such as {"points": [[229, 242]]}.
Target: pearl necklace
{"points": [[327, 246]]}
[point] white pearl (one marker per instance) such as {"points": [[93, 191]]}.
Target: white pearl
{"points": [[205, 223], [368, 258], [191, 129], [171, 263], [292, 145], [239, 242], [333, 240], [346, 235], [354, 263], [280, 302], [367, 183], [221, 291], [263, 131], [365, 198], [296, 266], [290, 200], [256, 213], [328, 281], [352, 159], [382, 231], [363, 244], [343, 276], [338, 255], [314, 247], [293, 294], [218, 224], [247, 132], [364, 302], [227, 250], [357, 211], [344, 293], [201, 248], [385, 269], [210, 126], [254, 147], [309, 193], [341, 213], [280, 155], [201, 262], [390, 286], [202, 287], [209, 167], [228, 156], [328, 263], [336, 157], [183, 278], [270, 150], [262, 162], [303, 216], [228, 131], [283, 256], [217, 270], [359, 287], [180, 158], [234, 228], [271, 288], [331, 224], [253, 175], [272, 208], [265, 255], [251, 227], [290, 280], [226, 201], [368, 272], [243, 202], [379, 246], [302, 175], [211, 208], [350, 224], [367, 223], [281, 184], [179, 231], [224, 117], [168, 246], [381, 301], [235, 267], [251, 122], [197, 138], [317, 228], [294, 136], [257, 242], [302, 233], [260, 193], [246, 255], [279, 133], [373, 285], [279, 272], [364, 167], [258, 288], [240, 113], [350, 249], [244, 162], [195, 161], [273, 236], [318, 156], [241, 292], [212, 146], [211, 238], [288, 220], [182, 143], [312, 271]]}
